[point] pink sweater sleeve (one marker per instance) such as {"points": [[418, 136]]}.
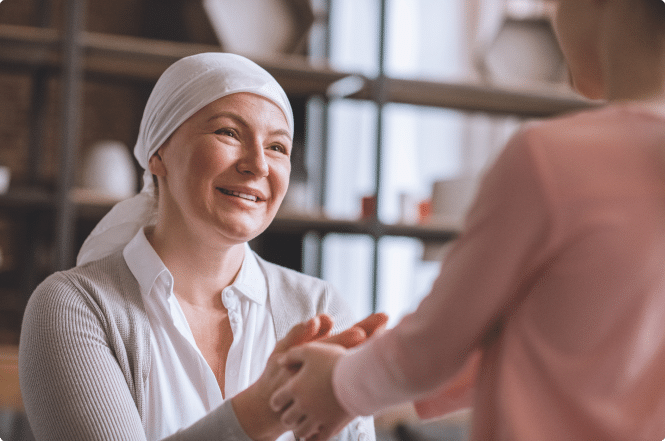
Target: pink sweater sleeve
{"points": [[505, 237]]}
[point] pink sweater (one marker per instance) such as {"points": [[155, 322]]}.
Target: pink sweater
{"points": [[559, 280]]}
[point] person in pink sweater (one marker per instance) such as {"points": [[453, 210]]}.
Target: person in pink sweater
{"points": [[553, 296]]}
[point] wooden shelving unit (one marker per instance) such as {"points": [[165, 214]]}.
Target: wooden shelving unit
{"points": [[77, 55]]}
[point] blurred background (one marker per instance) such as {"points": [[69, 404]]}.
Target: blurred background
{"points": [[400, 106]]}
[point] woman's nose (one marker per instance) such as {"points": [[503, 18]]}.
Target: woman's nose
{"points": [[253, 161]]}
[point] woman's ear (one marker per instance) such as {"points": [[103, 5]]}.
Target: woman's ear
{"points": [[156, 164]]}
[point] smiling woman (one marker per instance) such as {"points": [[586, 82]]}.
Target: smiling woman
{"points": [[170, 325], [225, 170]]}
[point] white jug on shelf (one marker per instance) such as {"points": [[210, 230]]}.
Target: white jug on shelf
{"points": [[5, 177], [108, 169], [451, 198], [515, 44]]}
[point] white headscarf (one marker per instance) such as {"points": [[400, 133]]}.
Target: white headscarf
{"points": [[183, 89]]}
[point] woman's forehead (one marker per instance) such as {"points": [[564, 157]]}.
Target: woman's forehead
{"points": [[246, 107]]}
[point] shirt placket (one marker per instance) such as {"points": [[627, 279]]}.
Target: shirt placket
{"points": [[231, 302]]}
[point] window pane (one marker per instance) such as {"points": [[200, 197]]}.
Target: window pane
{"points": [[347, 264], [354, 35], [404, 278], [351, 164], [420, 145], [425, 39]]}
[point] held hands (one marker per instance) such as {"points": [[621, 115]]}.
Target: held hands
{"points": [[307, 402], [251, 406]]}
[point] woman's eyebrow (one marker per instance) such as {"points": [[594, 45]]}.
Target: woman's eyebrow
{"points": [[281, 132], [231, 115], [242, 121]]}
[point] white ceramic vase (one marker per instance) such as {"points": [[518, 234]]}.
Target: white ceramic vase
{"points": [[108, 169]]}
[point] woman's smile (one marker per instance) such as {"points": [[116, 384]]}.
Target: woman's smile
{"points": [[250, 195]]}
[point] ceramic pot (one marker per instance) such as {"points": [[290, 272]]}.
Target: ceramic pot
{"points": [[5, 176], [108, 168]]}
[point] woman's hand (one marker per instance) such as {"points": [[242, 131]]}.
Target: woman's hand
{"points": [[307, 402], [371, 325], [251, 406]]}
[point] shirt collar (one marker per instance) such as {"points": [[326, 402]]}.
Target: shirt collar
{"points": [[146, 266], [251, 282], [144, 262]]}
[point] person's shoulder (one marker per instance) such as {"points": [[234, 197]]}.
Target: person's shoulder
{"points": [[597, 122], [563, 138], [106, 280], [101, 270], [62, 297]]}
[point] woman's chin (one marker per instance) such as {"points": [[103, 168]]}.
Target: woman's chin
{"points": [[241, 233]]}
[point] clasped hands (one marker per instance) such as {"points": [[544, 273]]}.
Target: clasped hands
{"points": [[295, 390]]}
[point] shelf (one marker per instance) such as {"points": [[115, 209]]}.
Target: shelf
{"points": [[90, 204], [296, 223], [537, 102], [27, 198], [141, 59]]}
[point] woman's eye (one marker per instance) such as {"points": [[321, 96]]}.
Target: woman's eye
{"points": [[278, 148], [225, 132]]}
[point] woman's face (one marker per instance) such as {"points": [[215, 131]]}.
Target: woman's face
{"points": [[577, 26], [224, 172]]}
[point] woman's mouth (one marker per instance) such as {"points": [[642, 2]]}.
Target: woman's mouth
{"points": [[237, 194]]}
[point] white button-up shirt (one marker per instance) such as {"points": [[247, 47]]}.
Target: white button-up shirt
{"points": [[181, 387]]}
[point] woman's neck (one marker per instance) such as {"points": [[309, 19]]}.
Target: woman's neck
{"points": [[200, 271]]}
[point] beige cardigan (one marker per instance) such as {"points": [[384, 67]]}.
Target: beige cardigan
{"points": [[85, 353]]}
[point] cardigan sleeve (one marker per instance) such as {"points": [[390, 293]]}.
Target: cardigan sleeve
{"points": [[72, 385]]}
